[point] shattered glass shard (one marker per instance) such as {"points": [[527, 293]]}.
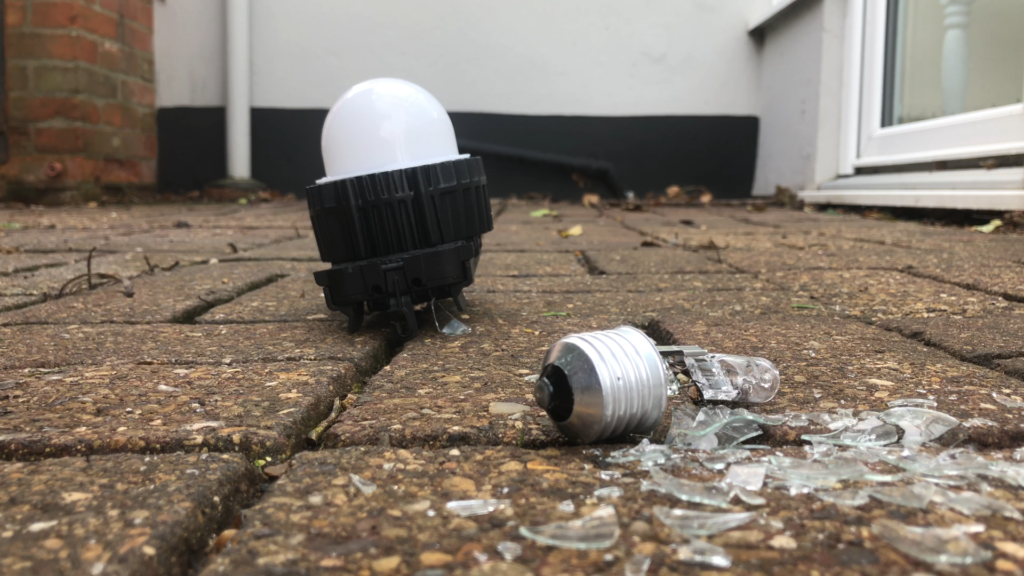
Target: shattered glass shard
{"points": [[747, 476], [609, 493], [645, 452], [715, 426], [916, 495], [594, 532], [364, 486], [567, 506], [975, 422], [456, 328], [749, 497], [731, 377], [852, 498], [1007, 401], [934, 545], [716, 494], [922, 402], [974, 504], [509, 550], [692, 523], [720, 459], [466, 508], [700, 552], [798, 474], [877, 436], [919, 424], [610, 475], [638, 565]]}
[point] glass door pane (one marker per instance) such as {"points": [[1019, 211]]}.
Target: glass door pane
{"points": [[945, 57]]}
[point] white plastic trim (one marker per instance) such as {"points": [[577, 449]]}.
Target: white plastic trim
{"points": [[996, 179], [770, 14], [1008, 200]]}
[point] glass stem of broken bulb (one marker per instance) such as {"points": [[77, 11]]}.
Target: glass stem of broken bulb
{"points": [[727, 377]]}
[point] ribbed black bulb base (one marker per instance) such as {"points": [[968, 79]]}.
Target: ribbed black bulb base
{"points": [[400, 238]]}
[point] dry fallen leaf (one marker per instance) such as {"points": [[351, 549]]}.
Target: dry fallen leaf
{"points": [[673, 191], [591, 200], [706, 197], [574, 231]]}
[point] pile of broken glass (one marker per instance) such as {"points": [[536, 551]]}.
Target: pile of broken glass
{"points": [[861, 457]]}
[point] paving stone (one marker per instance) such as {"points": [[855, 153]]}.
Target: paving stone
{"points": [[517, 212], [601, 235], [197, 240], [712, 241], [873, 295], [456, 379], [50, 240], [260, 216], [301, 249], [257, 409], [292, 299], [15, 302], [124, 217], [688, 221], [623, 283], [175, 296], [978, 340], [1012, 366], [26, 262], [654, 261], [121, 514], [974, 272], [529, 264], [49, 281], [760, 261], [314, 520], [828, 364], [55, 346]]}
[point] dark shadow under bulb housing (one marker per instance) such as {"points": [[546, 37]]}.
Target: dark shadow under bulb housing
{"points": [[401, 213]]}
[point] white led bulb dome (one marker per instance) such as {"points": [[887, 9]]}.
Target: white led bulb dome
{"points": [[385, 124]]}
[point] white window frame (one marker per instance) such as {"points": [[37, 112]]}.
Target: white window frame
{"points": [[990, 132]]}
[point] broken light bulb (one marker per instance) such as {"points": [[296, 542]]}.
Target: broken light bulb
{"points": [[607, 384]]}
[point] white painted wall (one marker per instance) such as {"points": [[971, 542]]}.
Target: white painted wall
{"points": [[801, 82], [188, 41], [569, 57]]}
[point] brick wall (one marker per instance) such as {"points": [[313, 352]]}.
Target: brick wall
{"points": [[80, 97]]}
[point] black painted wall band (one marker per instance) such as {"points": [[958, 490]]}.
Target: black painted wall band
{"points": [[544, 154]]}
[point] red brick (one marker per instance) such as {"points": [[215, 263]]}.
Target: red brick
{"points": [[112, 5], [51, 46], [71, 14], [17, 78], [147, 121], [14, 14], [19, 140], [60, 140], [120, 116], [138, 93], [110, 56], [74, 80], [140, 12], [138, 38], [28, 109]]}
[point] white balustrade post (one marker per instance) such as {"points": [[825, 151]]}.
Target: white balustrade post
{"points": [[955, 55]]}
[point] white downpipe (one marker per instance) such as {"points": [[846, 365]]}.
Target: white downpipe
{"points": [[955, 56], [239, 128]]}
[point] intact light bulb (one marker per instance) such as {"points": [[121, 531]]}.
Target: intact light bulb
{"points": [[385, 124], [600, 385], [400, 213]]}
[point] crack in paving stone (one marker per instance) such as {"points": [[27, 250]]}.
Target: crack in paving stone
{"points": [[120, 514]]}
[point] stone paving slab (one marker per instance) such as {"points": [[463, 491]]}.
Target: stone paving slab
{"points": [[48, 281], [976, 273], [529, 264], [602, 235], [1012, 366], [301, 249], [259, 410], [57, 346], [623, 283], [516, 212], [26, 262], [711, 241], [761, 261], [197, 240], [127, 217], [828, 363], [15, 302], [118, 515], [259, 216], [314, 520], [175, 296], [978, 340], [292, 299], [655, 261], [51, 240], [438, 390], [873, 295]]}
